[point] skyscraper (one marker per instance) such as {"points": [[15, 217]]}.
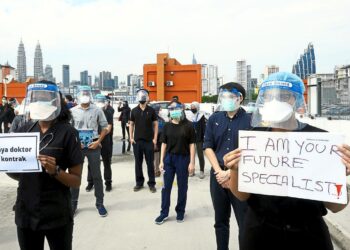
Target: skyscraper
{"points": [[38, 63], [209, 79], [65, 76], [21, 63], [105, 76], [194, 61], [84, 77], [306, 64], [270, 69], [241, 73], [116, 82], [48, 73]]}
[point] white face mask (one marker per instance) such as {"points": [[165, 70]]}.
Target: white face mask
{"points": [[42, 111], [100, 105], [85, 99], [276, 111]]}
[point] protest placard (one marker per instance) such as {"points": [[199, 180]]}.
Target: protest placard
{"points": [[295, 164], [19, 152]]}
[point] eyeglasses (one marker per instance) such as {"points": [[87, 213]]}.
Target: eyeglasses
{"points": [[48, 138], [283, 97]]}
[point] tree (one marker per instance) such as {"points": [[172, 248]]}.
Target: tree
{"points": [[210, 99]]}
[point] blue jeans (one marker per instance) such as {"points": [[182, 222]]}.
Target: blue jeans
{"points": [[144, 148], [175, 164]]}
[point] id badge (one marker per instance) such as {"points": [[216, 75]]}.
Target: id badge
{"points": [[86, 136]]}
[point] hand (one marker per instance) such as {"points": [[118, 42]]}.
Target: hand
{"points": [[82, 146], [232, 158], [161, 167], [48, 163], [94, 145], [132, 141], [222, 176], [154, 144], [191, 168], [345, 151], [226, 184]]}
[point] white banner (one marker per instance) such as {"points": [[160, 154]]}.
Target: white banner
{"points": [[295, 164], [19, 152]]}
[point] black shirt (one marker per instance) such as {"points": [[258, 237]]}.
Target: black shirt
{"points": [[125, 113], [109, 117], [143, 120], [199, 127], [178, 137], [42, 201]]}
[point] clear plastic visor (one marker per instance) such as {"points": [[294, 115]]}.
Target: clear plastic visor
{"points": [[142, 96]]}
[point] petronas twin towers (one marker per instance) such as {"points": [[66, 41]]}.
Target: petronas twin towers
{"points": [[22, 63]]}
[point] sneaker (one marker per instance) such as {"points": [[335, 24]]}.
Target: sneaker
{"points": [[137, 188], [201, 175], [161, 219], [152, 189], [102, 211], [180, 218], [108, 188], [89, 187]]}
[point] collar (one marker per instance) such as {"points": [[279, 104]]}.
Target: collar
{"points": [[238, 113]]}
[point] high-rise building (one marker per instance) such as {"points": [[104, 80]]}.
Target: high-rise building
{"points": [[116, 82], [90, 80], [306, 64], [104, 76], [84, 77], [38, 63], [242, 73], [65, 76], [21, 63], [270, 69], [194, 60], [48, 74], [209, 79], [128, 81]]}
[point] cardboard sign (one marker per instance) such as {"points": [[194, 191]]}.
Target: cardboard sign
{"points": [[19, 152], [295, 164]]}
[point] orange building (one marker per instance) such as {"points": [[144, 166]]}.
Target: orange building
{"points": [[15, 89], [168, 78]]}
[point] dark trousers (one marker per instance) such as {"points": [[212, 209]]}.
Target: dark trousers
{"points": [[58, 238], [175, 164], [199, 147], [222, 200], [106, 153], [6, 127], [124, 127], [146, 148]]}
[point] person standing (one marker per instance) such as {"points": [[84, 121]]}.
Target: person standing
{"points": [[106, 150], [124, 117], [87, 118], [2, 109], [9, 114], [221, 137], [161, 123], [69, 101], [43, 208], [143, 136], [177, 157]]}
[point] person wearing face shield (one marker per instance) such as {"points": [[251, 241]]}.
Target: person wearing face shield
{"points": [[2, 109], [221, 137], [124, 110], [177, 157], [88, 119], [143, 130], [42, 207], [107, 147], [275, 221], [8, 114]]}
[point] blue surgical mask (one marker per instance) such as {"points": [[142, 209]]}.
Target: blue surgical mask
{"points": [[229, 105], [175, 114]]}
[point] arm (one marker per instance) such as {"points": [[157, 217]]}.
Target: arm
{"points": [[191, 166], [131, 131], [162, 155], [155, 132], [335, 207]]}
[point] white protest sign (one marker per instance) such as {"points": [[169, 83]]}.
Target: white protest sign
{"points": [[19, 152], [296, 164]]}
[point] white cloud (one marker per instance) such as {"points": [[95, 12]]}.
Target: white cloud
{"points": [[120, 36]]}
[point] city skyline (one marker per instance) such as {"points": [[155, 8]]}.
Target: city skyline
{"points": [[239, 29]]}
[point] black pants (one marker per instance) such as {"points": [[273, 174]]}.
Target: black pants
{"points": [[124, 127], [222, 200], [58, 238], [199, 146], [146, 148]]}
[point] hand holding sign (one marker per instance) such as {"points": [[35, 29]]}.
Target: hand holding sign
{"points": [[232, 159], [48, 163], [345, 151]]}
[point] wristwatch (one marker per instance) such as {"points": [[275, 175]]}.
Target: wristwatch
{"points": [[58, 169]]}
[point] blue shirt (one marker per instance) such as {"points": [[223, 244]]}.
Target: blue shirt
{"points": [[221, 133]]}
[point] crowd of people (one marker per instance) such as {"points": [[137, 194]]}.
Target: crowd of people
{"points": [[72, 131]]}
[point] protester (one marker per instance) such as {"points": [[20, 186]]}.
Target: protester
{"points": [[106, 150], [8, 114], [20, 119], [275, 222], [175, 98], [221, 137], [143, 122], [69, 101], [43, 209], [2, 109], [177, 157], [161, 123], [87, 118], [124, 117], [199, 122]]}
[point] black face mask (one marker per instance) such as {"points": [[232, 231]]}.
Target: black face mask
{"points": [[194, 111], [142, 102]]}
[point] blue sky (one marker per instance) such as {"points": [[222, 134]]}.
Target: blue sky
{"points": [[120, 36]]}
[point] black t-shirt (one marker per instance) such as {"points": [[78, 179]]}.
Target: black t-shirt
{"points": [[143, 120], [178, 137], [287, 209], [109, 117], [42, 201]]}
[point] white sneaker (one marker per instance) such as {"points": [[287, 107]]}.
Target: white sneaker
{"points": [[201, 175]]}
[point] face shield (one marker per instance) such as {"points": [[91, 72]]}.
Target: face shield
{"points": [[277, 103], [100, 101], [229, 100], [84, 95], [42, 102], [20, 108], [142, 96], [176, 111]]}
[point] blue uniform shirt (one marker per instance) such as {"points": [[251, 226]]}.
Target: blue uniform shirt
{"points": [[221, 133]]}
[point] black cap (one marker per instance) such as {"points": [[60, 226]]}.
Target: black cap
{"points": [[234, 85]]}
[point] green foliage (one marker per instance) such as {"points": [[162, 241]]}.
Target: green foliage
{"points": [[210, 99]]}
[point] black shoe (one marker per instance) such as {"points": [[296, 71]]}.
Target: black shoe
{"points": [[137, 188], [108, 188], [153, 189], [89, 187]]}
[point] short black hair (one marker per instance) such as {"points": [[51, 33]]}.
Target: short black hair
{"points": [[175, 97], [144, 90], [69, 98], [234, 85]]}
